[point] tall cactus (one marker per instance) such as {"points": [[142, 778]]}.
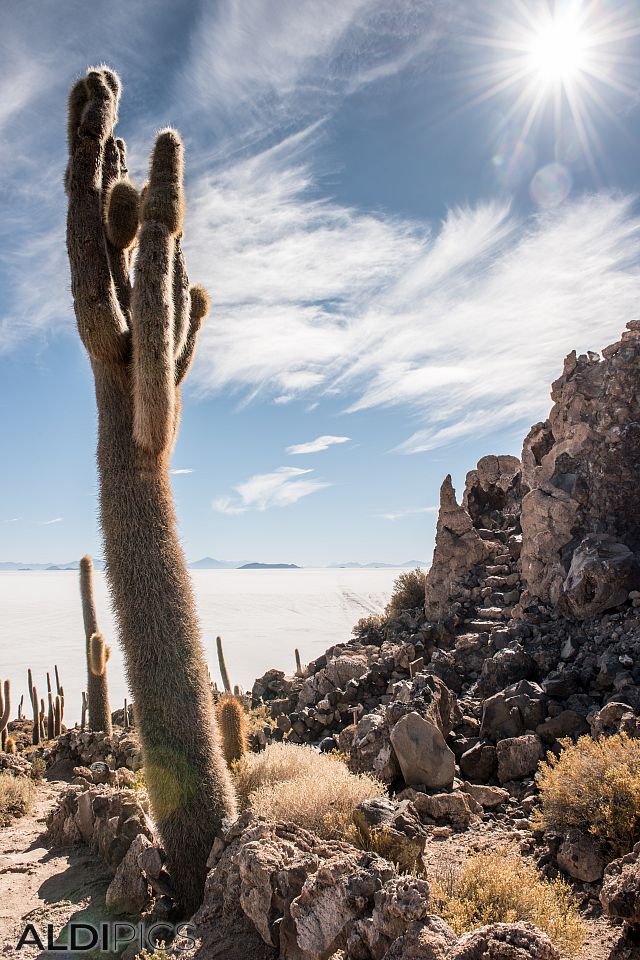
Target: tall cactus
{"points": [[141, 338], [99, 654], [224, 673], [33, 696], [5, 711], [95, 696]]}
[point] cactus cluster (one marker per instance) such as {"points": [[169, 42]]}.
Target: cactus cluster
{"points": [[141, 334], [233, 727]]}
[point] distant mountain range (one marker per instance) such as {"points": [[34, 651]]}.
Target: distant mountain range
{"points": [[351, 565], [210, 563]]}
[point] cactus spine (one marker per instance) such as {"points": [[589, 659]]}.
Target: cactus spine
{"points": [[33, 696], [5, 711], [226, 683], [234, 729], [99, 654], [141, 337]]}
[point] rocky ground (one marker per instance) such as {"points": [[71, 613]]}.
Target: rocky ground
{"points": [[43, 883]]}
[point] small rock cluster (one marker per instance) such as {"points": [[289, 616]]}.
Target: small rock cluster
{"points": [[85, 747]]}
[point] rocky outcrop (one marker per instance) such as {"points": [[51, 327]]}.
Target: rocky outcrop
{"points": [[276, 890], [459, 546], [620, 894], [580, 467]]}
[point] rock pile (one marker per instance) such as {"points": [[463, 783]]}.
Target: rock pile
{"points": [[115, 824], [85, 747]]}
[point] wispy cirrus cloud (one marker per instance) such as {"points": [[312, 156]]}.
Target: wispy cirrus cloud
{"points": [[409, 512], [180, 471], [284, 486], [47, 523], [316, 446], [465, 323]]}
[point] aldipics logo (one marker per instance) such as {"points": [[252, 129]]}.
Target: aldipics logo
{"points": [[107, 937]]}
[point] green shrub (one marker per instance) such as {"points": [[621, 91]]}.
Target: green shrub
{"points": [[408, 593], [500, 887], [593, 785]]}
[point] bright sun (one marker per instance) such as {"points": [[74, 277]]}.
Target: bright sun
{"points": [[570, 54], [559, 49]]}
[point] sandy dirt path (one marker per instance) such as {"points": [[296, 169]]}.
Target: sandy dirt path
{"points": [[42, 885]]}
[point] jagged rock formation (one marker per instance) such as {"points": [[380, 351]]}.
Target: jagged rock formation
{"points": [[580, 468]]}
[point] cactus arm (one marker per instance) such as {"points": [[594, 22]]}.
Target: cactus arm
{"points": [[199, 307], [101, 322], [181, 300]]}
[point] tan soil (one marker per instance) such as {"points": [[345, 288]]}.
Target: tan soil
{"points": [[40, 885]]}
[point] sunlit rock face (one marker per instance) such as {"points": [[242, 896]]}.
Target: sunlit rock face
{"points": [[570, 509], [580, 468]]}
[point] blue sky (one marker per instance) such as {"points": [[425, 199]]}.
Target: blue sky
{"points": [[403, 220]]}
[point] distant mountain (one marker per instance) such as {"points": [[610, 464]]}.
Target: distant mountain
{"points": [[352, 565], [72, 565], [270, 566], [210, 563]]}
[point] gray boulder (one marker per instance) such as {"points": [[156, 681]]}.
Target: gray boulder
{"points": [[422, 753], [599, 577]]}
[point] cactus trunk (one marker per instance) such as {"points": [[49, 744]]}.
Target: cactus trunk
{"points": [[98, 657], [224, 673], [141, 340]]}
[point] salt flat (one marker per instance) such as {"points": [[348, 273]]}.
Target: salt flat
{"points": [[262, 615]]}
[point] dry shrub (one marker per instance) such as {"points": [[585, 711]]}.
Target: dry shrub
{"points": [[299, 785], [325, 807], [408, 592], [279, 761], [258, 718], [500, 887], [593, 785], [16, 797]]}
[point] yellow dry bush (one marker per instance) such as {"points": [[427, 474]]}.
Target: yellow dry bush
{"points": [[281, 761], [408, 592], [593, 785], [372, 623], [500, 887], [322, 804], [16, 797]]}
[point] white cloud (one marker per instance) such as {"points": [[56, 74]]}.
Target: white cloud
{"points": [[179, 471], [317, 445], [410, 512], [47, 523], [466, 326], [278, 489]]}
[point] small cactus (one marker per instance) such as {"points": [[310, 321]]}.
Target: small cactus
{"points": [[83, 715], [234, 728], [21, 708], [57, 717], [126, 714], [5, 711], [226, 683], [50, 714], [99, 654], [298, 663], [43, 728], [33, 696], [10, 746]]}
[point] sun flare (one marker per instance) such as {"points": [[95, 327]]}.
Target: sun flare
{"points": [[559, 49], [571, 55]]}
